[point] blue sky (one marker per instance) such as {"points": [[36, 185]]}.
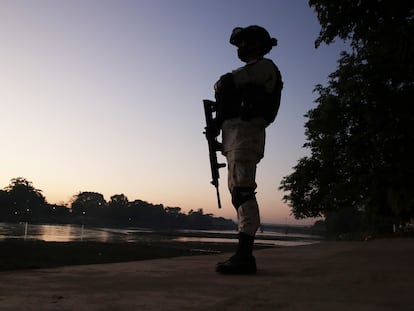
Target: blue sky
{"points": [[106, 96]]}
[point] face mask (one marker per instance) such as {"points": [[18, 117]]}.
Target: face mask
{"points": [[243, 54], [247, 53]]}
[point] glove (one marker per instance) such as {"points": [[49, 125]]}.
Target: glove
{"points": [[214, 129]]}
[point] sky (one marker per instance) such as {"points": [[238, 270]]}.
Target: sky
{"points": [[106, 96]]}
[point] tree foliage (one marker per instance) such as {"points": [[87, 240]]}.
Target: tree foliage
{"points": [[361, 132], [118, 201], [24, 196], [87, 201]]}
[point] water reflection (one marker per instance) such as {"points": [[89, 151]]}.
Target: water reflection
{"points": [[73, 233], [63, 233], [12, 231], [26, 231], [69, 233]]}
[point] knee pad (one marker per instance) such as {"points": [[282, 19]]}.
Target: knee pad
{"points": [[240, 195]]}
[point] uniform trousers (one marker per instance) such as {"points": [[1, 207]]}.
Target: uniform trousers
{"points": [[243, 147]]}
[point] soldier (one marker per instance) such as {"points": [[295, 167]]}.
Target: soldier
{"points": [[248, 100]]}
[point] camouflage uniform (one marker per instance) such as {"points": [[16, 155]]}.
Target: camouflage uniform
{"points": [[244, 143], [248, 100]]}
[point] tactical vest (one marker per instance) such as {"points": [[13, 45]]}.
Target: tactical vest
{"points": [[248, 102]]}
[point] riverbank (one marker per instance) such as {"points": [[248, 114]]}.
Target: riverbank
{"points": [[373, 275], [20, 254]]}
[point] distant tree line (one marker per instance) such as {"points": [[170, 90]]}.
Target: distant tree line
{"points": [[21, 201]]}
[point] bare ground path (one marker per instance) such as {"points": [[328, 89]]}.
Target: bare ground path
{"points": [[376, 275]]}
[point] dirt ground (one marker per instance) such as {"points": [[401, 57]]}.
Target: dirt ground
{"points": [[375, 275]]}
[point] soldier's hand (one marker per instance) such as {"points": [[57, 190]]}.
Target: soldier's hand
{"points": [[214, 129]]}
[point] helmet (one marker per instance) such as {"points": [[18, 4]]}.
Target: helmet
{"points": [[251, 33]]}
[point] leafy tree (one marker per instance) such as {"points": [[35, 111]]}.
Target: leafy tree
{"points": [[118, 201], [24, 197], [87, 203], [361, 132]]}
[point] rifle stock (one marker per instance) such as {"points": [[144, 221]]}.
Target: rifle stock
{"points": [[210, 131]]}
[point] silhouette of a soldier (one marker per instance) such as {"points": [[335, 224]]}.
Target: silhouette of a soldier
{"points": [[248, 100]]}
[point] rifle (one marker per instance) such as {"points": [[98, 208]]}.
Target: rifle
{"points": [[211, 133]]}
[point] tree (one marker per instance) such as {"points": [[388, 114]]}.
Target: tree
{"points": [[118, 201], [24, 197], [361, 132], [87, 203]]}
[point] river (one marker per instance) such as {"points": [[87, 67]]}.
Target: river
{"points": [[73, 233]]}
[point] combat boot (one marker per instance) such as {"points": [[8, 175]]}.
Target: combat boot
{"points": [[243, 262]]}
